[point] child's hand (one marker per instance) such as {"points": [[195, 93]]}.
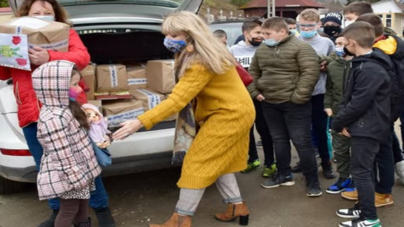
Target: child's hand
{"points": [[260, 98], [328, 111], [323, 66], [345, 132]]}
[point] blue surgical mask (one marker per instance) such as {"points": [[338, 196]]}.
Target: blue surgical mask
{"points": [[340, 51], [46, 17], [308, 34], [174, 45], [271, 42], [293, 31]]}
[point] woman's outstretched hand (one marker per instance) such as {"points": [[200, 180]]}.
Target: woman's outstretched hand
{"points": [[128, 128]]}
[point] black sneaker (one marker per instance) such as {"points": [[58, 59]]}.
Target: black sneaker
{"points": [[313, 189], [349, 213], [297, 168], [359, 222], [278, 180], [328, 171]]}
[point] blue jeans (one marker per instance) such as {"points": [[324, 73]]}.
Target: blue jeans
{"points": [[99, 197], [288, 121]]}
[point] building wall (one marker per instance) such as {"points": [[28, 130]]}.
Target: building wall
{"points": [[386, 7], [394, 21]]}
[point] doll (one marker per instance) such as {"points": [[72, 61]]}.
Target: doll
{"points": [[98, 131]]}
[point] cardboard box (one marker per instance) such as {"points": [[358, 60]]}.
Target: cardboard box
{"points": [[121, 110], [88, 74], [111, 78], [149, 98], [46, 34], [136, 77], [160, 75]]}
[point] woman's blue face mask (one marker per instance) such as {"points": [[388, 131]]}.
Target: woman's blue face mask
{"points": [[174, 45]]}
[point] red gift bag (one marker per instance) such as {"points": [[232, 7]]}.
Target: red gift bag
{"points": [[244, 75]]}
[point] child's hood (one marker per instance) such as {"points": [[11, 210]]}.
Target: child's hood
{"points": [[51, 82], [377, 56], [393, 46], [92, 107]]}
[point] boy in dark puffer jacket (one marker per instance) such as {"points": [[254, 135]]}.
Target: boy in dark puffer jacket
{"points": [[365, 117]]}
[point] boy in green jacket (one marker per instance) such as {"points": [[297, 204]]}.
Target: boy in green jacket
{"points": [[338, 70]]}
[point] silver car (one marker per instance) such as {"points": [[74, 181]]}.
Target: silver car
{"points": [[115, 31]]}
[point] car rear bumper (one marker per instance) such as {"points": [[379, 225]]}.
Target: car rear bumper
{"points": [[120, 166]]}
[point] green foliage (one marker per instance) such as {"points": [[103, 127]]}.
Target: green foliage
{"points": [[3, 3], [239, 2]]}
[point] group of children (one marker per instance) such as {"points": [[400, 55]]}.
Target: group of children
{"points": [[360, 87]]}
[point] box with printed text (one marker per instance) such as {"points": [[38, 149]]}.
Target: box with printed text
{"points": [[121, 110], [111, 78]]}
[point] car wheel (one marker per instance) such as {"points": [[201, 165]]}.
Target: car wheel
{"points": [[8, 186]]}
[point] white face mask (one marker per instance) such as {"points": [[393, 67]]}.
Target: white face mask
{"points": [[347, 23], [46, 17]]}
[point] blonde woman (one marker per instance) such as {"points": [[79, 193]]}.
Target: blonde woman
{"points": [[224, 114]]}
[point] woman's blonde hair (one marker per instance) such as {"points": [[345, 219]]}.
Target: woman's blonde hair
{"points": [[207, 49]]}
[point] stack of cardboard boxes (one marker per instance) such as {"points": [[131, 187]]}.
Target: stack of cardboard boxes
{"points": [[147, 85]]}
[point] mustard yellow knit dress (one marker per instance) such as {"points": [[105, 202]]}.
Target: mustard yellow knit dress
{"points": [[225, 113]]}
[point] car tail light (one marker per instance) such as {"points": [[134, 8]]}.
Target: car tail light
{"points": [[15, 152]]}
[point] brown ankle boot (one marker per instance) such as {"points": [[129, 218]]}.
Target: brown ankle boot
{"points": [[176, 221], [233, 212]]}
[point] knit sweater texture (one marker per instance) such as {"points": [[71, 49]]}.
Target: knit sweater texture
{"points": [[225, 114]]}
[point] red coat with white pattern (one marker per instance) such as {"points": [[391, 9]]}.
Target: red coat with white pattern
{"points": [[28, 105]]}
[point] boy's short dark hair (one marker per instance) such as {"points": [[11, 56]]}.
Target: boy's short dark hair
{"points": [[275, 23], [290, 21], [358, 8], [375, 21], [250, 25], [362, 32], [219, 33]]}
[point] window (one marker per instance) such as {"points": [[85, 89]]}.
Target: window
{"points": [[388, 20]]}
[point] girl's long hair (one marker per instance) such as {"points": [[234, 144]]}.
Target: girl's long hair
{"points": [[207, 49], [75, 107]]}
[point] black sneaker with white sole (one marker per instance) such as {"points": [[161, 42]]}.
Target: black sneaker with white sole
{"points": [[349, 213], [278, 180], [313, 189], [361, 222]]}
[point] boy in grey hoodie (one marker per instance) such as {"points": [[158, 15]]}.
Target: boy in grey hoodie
{"points": [[309, 22], [243, 51]]}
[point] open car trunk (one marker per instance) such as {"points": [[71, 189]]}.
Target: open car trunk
{"points": [[124, 46], [128, 47]]}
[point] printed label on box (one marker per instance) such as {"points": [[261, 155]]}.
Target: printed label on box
{"points": [[140, 81], [116, 120], [114, 76], [153, 99]]}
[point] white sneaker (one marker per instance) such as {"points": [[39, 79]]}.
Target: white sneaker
{"points": [[400, 171]]}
